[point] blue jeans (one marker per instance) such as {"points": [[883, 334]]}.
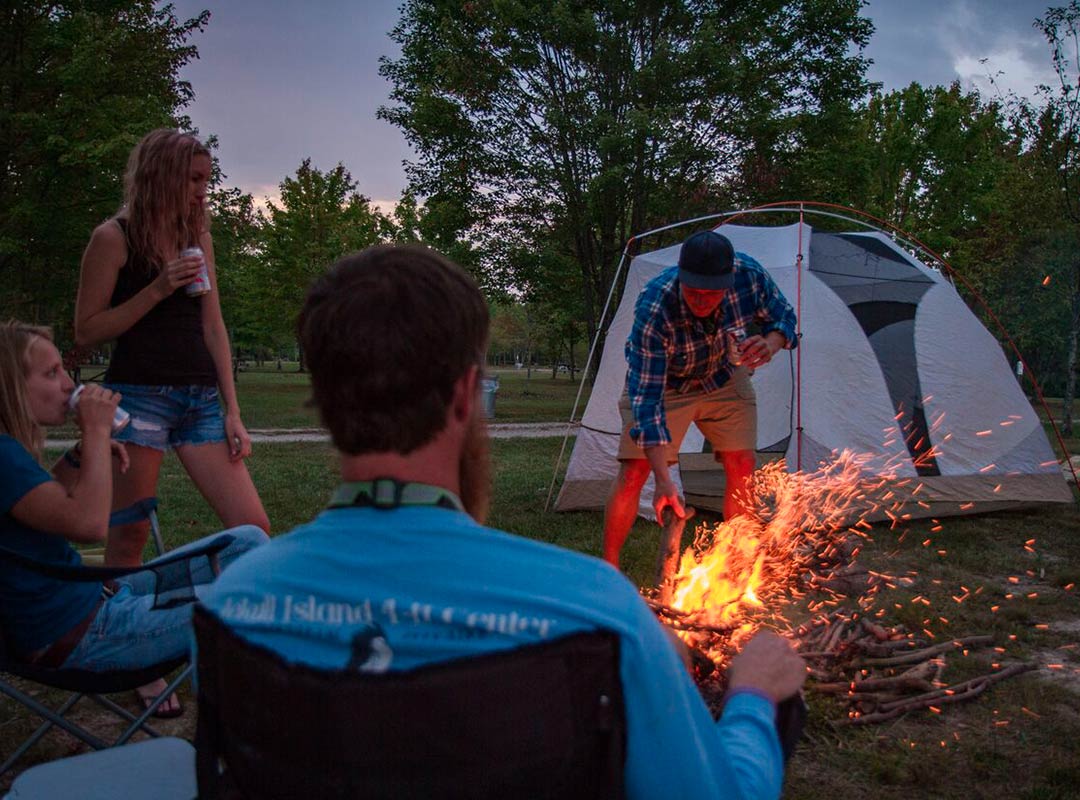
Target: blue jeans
{"points": [[170, 416], [128, 633]]}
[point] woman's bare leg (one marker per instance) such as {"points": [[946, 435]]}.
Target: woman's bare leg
{"points": [[124, 547], [226, 485]]}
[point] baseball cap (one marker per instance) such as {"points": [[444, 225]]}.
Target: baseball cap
{"points": [[707, 261]]}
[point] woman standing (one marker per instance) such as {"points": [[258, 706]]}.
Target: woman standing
{"points": [[171, 362]]}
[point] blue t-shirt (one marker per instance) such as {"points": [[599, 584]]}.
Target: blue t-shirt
{"points": [[423, 584], [34, 610]]}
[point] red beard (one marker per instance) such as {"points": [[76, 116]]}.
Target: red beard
{"points": [[475, 469]]}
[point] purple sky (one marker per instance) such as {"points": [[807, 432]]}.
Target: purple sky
{"points": [[279, 81]]}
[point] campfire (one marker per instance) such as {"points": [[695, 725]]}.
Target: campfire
{"points": [[796, 555]]}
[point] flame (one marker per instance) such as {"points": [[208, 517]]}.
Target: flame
{"points": [[740, 574]]}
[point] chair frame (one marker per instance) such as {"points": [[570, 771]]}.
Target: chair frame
{"points": [[84, 683]]}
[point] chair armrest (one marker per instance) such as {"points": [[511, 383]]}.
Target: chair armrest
{"points": [[84, 574]]}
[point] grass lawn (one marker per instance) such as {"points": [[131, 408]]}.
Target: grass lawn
{"points": [[1019, 740], [271, 399]]}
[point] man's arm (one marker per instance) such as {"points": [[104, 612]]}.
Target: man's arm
{"points": [[674, 747], [646, 374], [775, 312], [646, 378]]}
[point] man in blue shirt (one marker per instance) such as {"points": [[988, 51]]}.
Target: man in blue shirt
{"points": [[690, 356], [400, 562]]}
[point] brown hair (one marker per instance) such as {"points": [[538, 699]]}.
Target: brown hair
{"points": [[156, 186], [16, 418], [387, 332]]}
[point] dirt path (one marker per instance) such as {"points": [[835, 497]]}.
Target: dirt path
{"points": [[497, 430]]}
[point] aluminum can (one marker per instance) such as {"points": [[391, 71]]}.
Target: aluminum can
{"points": [[201, 285], [735, 337], [120, 418]]}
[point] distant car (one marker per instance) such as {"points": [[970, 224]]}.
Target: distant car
{"points": [[563, 368]]}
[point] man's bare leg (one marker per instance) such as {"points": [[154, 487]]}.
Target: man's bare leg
{"points": [[622, 506], [739, 465]]}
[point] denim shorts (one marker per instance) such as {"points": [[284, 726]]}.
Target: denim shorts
{"points": [[129, 633], [170, 416], [726, 417]]}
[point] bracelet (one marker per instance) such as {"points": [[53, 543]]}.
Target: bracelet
{"points": [[72, 457]]}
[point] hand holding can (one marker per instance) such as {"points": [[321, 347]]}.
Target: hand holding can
{"points": [[120, 417], [735, 337], [201, 284]]}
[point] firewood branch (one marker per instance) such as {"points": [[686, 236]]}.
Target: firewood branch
{"points": [[953, 694], [927, 652]]}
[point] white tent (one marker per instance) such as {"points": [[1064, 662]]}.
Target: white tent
{"points": [[891, 363]]}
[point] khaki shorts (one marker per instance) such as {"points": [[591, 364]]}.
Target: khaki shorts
{"points": [[726, 417]]}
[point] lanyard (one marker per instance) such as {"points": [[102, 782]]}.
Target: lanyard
{"points": [[387, 493]]}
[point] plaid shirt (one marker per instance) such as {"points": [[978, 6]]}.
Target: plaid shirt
{"points": [[671, 349]]}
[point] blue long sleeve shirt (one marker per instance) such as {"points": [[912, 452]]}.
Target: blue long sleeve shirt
{"points": [[431, 584]]}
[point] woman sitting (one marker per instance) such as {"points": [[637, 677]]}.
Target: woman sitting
{"points": [[92, 626]]}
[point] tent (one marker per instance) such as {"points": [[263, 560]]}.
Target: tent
{"points": [[891, 364]]}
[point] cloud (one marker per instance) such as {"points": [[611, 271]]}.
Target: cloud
{"points": [[935, 42], [994, 47], [262, 194], [1003, 73]]}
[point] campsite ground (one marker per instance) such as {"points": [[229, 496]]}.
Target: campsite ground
{"points": [[1018, 740]]}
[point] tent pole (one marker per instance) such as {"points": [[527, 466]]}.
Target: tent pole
{"points": [[585, 372], [798, 343]]}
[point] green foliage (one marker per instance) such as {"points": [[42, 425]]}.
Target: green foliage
{"points": [[321, 218], [572, 125], [237, 232], [80, 83]]}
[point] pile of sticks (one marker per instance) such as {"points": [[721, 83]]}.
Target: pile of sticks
{"points": [[879, 673], [884, 672]]}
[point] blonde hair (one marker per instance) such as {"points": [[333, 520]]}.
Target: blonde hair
{"points": [[16, 418], [156, 186]]}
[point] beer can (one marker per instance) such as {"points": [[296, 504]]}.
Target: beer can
{"points": [[120, 417], [201, 285], [735, 337]]}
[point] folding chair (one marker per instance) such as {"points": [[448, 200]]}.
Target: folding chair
{"points": [[173, 586], [541, 721]]}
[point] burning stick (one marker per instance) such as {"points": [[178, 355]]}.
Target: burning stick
{"points": [[667, 564]]}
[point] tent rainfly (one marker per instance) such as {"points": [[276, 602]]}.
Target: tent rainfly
{"points": [[891, 363]]}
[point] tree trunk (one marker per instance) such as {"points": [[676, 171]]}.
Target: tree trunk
{"points": [[1070, 362]]}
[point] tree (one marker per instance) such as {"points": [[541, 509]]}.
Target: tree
{"points": [[1057, 146], [81, 81], [238, 234], [321, 218], [600, 118]]}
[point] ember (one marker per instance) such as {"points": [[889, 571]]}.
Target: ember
{"points": [[742, 574], [748, 573]]}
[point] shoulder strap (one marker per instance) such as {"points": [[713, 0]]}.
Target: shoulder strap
{"points": [[387, 493]]}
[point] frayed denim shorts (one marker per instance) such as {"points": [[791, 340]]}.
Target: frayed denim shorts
{"points": [[170, 416]]}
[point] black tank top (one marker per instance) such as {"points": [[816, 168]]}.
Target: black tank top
{"points": [[166, 347]]}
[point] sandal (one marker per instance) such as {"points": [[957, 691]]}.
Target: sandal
{"points": [[146, 701]]}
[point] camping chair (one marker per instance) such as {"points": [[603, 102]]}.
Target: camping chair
{"points": [[540, 721], [173, 586]]}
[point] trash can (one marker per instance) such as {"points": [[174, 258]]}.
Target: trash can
{"points": [[488, 388]]}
